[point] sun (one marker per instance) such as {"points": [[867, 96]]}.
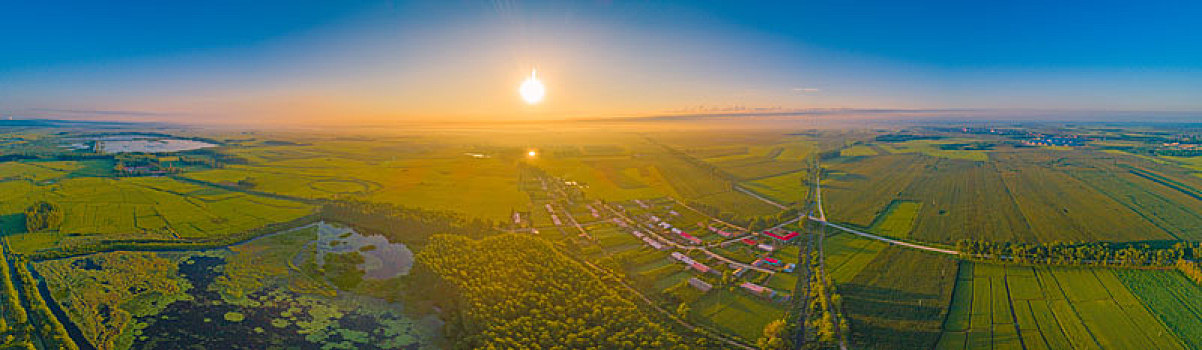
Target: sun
{"points": [[531, 154], [532, 90]]}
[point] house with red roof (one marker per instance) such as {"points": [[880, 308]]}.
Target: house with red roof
{"points": [[786, 237]]}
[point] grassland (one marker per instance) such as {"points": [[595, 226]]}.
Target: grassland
{"points": [[788, 188], [897, 220], [736, 312], [138, 208], [1060, 206], [899, 300], [847, 255], [1174, 300], [999, 306], [1031, 195], [856, 190], [858, 151], [440, 183], [932, 148]]}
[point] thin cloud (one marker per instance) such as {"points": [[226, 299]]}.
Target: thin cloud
{"points": [[100, 112], [806, 90]]}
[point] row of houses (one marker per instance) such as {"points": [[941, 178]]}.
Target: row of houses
{"points": [[678, 256], [684, 235], [554, 218], [652, 242], [758, 289], [721, 232], [642, 204]]}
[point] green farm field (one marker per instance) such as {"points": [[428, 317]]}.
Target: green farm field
{"points": [[897, 220], [1031, 195], [899, 299], [998, 306], [138, 208]]}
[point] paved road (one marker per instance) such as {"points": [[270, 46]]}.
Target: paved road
{"points": [[757, 196], [821, 218], [888, 240]]}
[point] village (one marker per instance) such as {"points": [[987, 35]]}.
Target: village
{"points": [[678, 256]]}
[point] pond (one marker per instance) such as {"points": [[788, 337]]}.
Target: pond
{"points": [[269, 292], [136, 143], [382, 259]]}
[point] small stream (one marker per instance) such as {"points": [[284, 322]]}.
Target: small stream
{"points": [[72, 329]]}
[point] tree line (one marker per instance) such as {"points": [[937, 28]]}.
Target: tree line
{"points": [[1071, 253], [27, 320], [404, 224]]}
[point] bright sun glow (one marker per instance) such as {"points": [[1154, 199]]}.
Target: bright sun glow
{"points": [[532, 91], [531, 154]]}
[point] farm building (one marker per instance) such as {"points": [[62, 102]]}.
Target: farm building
{"points": [[700, 285], [748, 241], [689, 237], [678, 256], [700, 267], [756, 289], [766, 248], [653, 243], [786, 237]]}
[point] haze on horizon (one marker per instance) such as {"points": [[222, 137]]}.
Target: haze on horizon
{"points": [[227, 62]]}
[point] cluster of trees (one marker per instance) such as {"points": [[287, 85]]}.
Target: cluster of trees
{"points": [[140, 164], [27, 320], [776, 336], [43, 216], [1191, 270], [1178, 152], [213, 157], [517, 291], [1069, 253], [404, 224]]}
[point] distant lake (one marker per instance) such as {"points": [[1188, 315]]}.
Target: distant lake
{"points": [[151, 145]]}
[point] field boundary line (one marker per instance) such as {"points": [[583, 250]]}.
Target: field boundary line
{"points": [[1071, 306], [1013, 316]]}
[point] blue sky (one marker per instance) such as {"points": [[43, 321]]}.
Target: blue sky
{"points": [[299, 60]]}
